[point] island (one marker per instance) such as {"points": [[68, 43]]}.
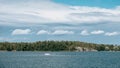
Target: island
{"points": [[57, 46]]}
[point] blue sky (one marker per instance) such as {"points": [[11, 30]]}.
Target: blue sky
{"points": [[91, 3], [95, 21]]}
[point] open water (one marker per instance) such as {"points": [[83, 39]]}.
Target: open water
{"points": [[59, 59]]}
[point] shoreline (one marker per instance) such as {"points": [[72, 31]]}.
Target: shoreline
{"points": [[59, 51]]}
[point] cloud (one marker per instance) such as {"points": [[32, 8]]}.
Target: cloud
{"points": [[84, 33], [62, 32], [97, 32], [36, 12], [112, 33], [21, 31], [56, 32], [42, 32]]}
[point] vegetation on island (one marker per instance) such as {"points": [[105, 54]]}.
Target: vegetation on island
{"points": [[56, 46]]}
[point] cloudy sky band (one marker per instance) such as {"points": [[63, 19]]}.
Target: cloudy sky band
{"points": [[96, 21]]}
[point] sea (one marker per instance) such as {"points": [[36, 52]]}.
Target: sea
{"points": [[29, 59]]}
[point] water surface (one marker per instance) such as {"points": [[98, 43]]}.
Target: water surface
{"points": [[60, 60]]}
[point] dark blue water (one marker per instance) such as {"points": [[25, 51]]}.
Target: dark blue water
{"points": [[60, 60]]}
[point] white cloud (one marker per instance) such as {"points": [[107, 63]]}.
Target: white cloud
{"points": [[21, 31], [42, 32], [84, 33], [61, 32], [56, 32], [97, 32], [112, 33], [37, 12]]}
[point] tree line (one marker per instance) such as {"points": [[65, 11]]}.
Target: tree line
{"points": [[55, 46]]}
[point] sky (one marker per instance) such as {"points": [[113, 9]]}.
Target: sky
{"points": [[93, 21]]}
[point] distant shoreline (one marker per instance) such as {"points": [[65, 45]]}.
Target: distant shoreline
{"points": [[69, 46], [59, 51]]}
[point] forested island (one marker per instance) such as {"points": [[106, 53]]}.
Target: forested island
{"points": [[56, 46]]}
